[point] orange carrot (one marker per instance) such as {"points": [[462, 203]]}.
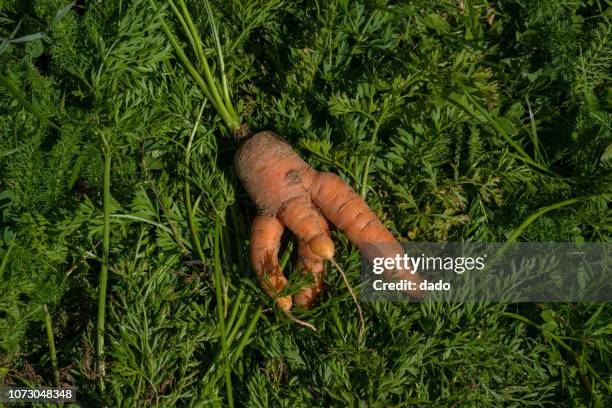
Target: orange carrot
{"points": [[265, 243], [349, 212], [311, 263], [286, 189]]}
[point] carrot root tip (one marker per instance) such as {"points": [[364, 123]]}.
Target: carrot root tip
{"points": [[323, 246], [284, 303]]}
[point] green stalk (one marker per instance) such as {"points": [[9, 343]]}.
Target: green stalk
{"points": [[185, 60], [213, 25], [49, 327], [220, 311], [517, 232], [143, 220], [178, 14], [522, 156], [189, 29], [239, 231], [246, 335], [183, 57], [187, 189], [202, 58], [234, 330], [529, 220], [8, 85], [206, 83], [209, 86], [7, 255], [235, 308], [244, 339], [104, 269], [534, 133]]}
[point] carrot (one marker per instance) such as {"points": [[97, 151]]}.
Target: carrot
{"points": [[349, 212], [286, 190], [282, 185], [265, 243], [309, 263]]}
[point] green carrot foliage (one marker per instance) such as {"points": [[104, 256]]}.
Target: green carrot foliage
{"points": [[456, 120]]}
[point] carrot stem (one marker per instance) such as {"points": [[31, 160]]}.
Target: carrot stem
{"points": [[529, 220], [9, 86], [187, 189], [185, 60], [220, 310], [52, 353], [104, 269], [523, 155], [6, 258], [215, 32], [230, 122], [206, 83], [518, 231], [204, 62]]}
